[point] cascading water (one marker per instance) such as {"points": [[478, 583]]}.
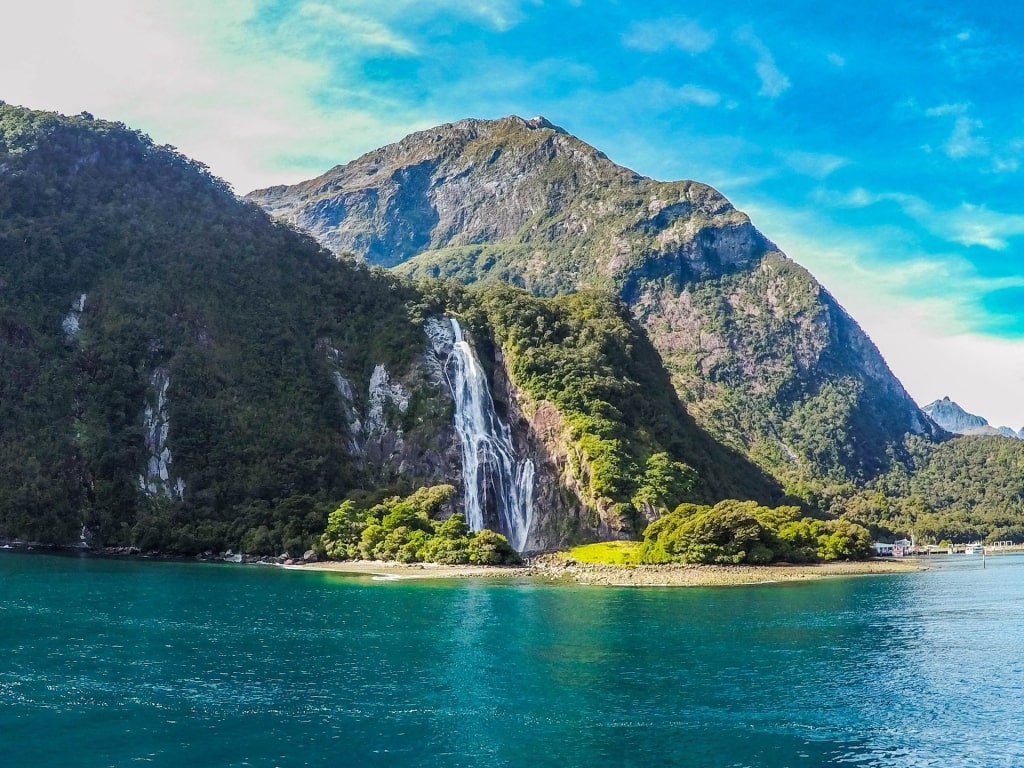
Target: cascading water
{"points": [[490, 469]]}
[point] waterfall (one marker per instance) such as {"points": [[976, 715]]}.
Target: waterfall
{"points": [[491, 472]]}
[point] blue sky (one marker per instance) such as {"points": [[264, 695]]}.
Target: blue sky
{"points": [[880, 144]]}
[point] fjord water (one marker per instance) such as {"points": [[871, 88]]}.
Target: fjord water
{"points": [[118, 663]]}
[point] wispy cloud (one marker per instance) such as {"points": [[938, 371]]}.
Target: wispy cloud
{"points": [[773, 82], [971, 50], [813, 164], [498, 15], [321, 19], [964, 140], [967, 224], [943, 110], [660, 95], [680, 32]]}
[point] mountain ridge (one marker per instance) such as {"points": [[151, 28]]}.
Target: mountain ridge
{"points": [[740, 326], [179, 374]]}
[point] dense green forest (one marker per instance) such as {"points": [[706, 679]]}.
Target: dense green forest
{"points": [[733, 532], [179, 277], [958, 490]]}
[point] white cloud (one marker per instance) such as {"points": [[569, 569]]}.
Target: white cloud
{"points": [[655, 96], [963, 142], [499, 15], [836, 60], [327, 20], [984, 375], [194, 76], [946, 109], [660, 35], [666, 95], [773, 82]]}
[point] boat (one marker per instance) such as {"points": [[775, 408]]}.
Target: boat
{"points": [[974, 549]]}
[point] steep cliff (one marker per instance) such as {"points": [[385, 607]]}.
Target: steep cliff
{"points": [[759, 353]]}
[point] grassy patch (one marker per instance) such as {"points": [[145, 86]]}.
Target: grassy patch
{"points": [[608, 553]]}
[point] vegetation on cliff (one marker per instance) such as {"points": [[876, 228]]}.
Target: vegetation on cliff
{"points": [[631, 449]]}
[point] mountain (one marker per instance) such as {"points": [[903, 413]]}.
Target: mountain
{"points": [[168, 354], [180, 373], [952, 418], [760, 354]]}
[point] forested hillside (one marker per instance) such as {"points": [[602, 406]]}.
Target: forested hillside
{"points": [[132, 278], [179, 373]]}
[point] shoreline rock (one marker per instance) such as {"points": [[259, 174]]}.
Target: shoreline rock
{"points": [[556, 571], [548, 568]]}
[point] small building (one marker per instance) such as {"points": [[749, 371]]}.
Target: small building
{"points": [[902, 547], [882, 549]]}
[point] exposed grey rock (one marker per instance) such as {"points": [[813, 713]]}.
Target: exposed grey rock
{"points": [[952, 418], [156, 425], [72, 320]]}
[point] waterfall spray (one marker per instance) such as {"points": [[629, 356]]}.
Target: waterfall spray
{"points": [[491, 472]]}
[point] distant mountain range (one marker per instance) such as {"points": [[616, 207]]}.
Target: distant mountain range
{"points": [[952, 418]]}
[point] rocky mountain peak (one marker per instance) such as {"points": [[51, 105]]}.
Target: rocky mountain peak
{"points": [[952, 418], [542, 122], [528, 185]]}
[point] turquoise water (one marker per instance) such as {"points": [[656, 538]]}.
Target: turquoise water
{"points": [[121, 663]]}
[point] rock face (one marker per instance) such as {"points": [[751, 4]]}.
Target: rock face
{"points": [[500, 198], [762, 356], [952, 418]]}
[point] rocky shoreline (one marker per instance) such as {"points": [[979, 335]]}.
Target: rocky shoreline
{"points": [[550, 568], [209, 556], [553, 569]]}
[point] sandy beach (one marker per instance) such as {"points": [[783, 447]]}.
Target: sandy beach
{"points": [[552, 569]]}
